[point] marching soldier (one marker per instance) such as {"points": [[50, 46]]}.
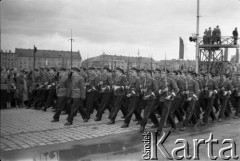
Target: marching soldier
{"points": [[168, 90], [105, 85], [133, 91], [209, 92], [120, 82], [236, 95], [51, 87], [92, 89], [77, 94], [149, 90], [61, 91], [224, 92], [3, 88], [191, 93]]}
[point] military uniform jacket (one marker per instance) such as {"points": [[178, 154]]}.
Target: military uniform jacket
{"points": [[105, 83], [193, 88], [76, 86], [151, 86], [4, 81], [134, 87], [61, 89], [236, 88], [119, 83], [93, 83], [209, 87], [171, 85], [224, 88]]}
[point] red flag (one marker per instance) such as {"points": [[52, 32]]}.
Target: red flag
{"points": [[181, 48]]}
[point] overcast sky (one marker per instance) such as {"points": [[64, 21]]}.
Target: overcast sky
{"points": [[114, 26]]}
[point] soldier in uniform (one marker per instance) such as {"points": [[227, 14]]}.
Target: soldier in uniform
{"points": [[51, 87], [3, 88], [168, 90], [224, 92], [149, 90], [209, 35], [209, 92], [61, 91], [92, 89], [105, 85], [120, 82], [77, 94], [133, 91], [236, 95], [191, 93], [218, 35]]}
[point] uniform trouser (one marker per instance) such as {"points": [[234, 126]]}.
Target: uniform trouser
{"points": [[237, 100], [77, 106], [117, 105], [175, 109], [223, 102], [190, 115], [51, 96], [105, 100], [149, 113], [61, 102], [43, 97], [133, 101], [32, 96], [37, 97], [209, 110], [3, 98], [141, 104], [166, 105], [216, 103], [90, 102]]}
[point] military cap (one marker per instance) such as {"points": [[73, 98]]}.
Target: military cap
{"points": [[157, 70], [76, 69], [107, 69], [91, 68], [179, 71], [98, 68], [135, 69], [53, 68], [120, 69], [167, 71], [149, 71], [36, 69], [62, 69], [83, 68], [175, 72]]}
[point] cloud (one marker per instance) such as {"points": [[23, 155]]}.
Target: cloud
{"points": [[116, 26]]}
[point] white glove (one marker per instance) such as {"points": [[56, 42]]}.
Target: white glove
{"points": [[160, 91], [168, 97], [215, 91], [229, 92], [173, 94]]}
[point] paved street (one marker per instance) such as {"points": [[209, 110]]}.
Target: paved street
{"points": [[27, 128], [29, 135]]}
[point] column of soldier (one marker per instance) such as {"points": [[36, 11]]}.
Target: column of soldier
{"points": [[178, 99]]}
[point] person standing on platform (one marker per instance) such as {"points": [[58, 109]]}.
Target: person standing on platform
{"points": [[209, 35], [235, 36]]}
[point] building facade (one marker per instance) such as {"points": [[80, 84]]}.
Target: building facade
{"points": [[8, 59], [125, 62], [46, 58]]}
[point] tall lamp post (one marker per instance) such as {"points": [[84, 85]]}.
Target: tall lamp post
{"points": [[197, 37], [71, 47]]}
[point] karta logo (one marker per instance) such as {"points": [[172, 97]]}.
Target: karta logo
{"points": [[151, 145]]}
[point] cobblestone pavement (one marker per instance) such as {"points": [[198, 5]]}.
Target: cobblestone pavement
{"points": [[27, 128]]}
